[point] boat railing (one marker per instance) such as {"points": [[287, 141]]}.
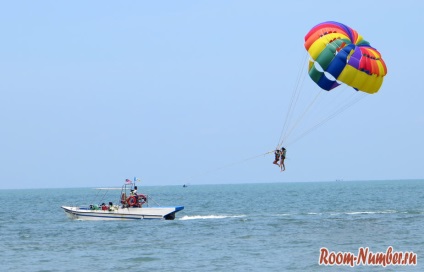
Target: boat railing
{"points": [[99, 201], [151, 199]]}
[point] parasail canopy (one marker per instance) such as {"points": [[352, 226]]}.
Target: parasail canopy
{"points": [[340, 55]]}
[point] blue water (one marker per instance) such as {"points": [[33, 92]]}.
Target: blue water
{"points": [[248, 227]]}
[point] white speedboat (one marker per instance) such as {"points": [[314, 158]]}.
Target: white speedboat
{"points": [[131, 206], [120, 213]]}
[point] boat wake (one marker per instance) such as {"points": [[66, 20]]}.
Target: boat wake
{"points": [[204, 217]]}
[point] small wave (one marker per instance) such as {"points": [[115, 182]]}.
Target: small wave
{"points": [[202, 217], [370, 212], [413, 212], [283, 214]]}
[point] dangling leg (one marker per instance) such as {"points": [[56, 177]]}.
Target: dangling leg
{"points": [[282, 166]]}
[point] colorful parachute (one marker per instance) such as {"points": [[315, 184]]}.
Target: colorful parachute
{"points": [[340, 54]]}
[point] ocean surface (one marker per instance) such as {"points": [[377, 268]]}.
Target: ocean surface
{"points": [[243, 227]]}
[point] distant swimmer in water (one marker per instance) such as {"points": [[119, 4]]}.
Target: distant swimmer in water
{"points": [[282, 158], [277, 157]]}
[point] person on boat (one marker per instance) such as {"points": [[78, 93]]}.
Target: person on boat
{"points": [[135, 193], [282, 158], [111, 208], [277, 157]]}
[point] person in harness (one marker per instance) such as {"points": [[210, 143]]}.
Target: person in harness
{"points": [[277, 157], [282, 158]]}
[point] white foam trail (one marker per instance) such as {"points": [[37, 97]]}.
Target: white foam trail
{"points": [[283, 214], [377, 212], [202, 217]]}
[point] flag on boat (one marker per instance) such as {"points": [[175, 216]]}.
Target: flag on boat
{"points": [[127, 181], [136, 179]]}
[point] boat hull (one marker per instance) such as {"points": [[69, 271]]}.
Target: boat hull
{"points": [[132, 213]]}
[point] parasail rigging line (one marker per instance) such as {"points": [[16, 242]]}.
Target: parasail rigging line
{"points": [[331, 116], [290, 125], [227, 166], [302, 116], [294, 99]]}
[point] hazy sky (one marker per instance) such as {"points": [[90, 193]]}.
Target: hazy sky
{"points": [[173, 92]]}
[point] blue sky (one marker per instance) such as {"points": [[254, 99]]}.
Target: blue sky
{"points": [[176, 92]]}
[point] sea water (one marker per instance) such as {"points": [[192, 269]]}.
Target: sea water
{"points": [[244, 227]]}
